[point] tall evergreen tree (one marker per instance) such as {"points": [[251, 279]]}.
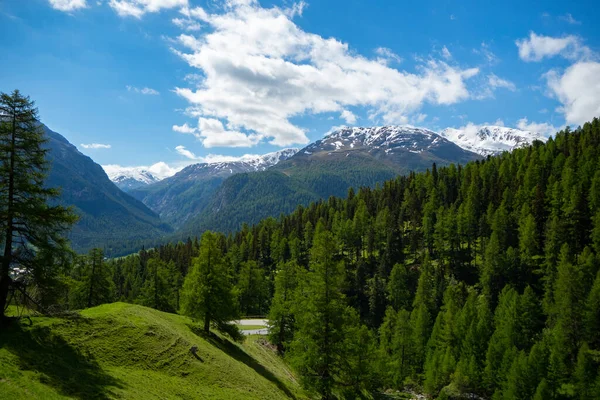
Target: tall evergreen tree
{"points": [[207, 293], [32, 230], [317, 351]]}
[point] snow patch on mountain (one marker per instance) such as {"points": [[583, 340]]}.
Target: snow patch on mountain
{"points": [[376, 138], [489, 139]]}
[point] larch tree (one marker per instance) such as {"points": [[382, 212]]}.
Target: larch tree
{"points": [[207, 293], [32, 230], [317, 349]]}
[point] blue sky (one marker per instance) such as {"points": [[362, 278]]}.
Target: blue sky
{"points": [[182, 81]]}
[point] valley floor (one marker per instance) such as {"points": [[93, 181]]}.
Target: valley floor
{"points": [[132, 352]]}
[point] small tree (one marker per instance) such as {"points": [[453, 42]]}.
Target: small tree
{"points": [[31, 229], [281, 314], [207, 293]]}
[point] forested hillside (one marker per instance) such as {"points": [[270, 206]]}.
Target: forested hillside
{"points": [[482, 279], [343, 159], [106, 214]]}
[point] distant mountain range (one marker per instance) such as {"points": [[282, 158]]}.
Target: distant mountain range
{"points": [[348, 157], [185, 194], [108, 217], [223, 195]]}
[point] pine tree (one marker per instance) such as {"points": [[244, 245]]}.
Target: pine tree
{"points": [[32, 230], [207, 292]]}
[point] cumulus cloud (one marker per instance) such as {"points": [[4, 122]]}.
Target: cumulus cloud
{"points": [[96, 146], [145, 91], [185, 128], [260, 70], [212, 133], [68, 5], [348, 116], [538, 47], [578, 90], [137, 8], [543, 128]]}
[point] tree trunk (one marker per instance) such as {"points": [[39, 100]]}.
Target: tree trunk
{"points": [[92, 279], [206, 323]]}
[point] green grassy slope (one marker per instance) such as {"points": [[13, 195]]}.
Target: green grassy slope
{"points": [[132, 352]]}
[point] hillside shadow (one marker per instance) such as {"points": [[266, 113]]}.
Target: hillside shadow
{"points": [[237, 353], [60, 365]]}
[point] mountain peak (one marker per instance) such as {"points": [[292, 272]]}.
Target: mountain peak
{"points": [[388, 138], [490, 139]]}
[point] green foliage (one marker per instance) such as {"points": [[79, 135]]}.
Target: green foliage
{"points": [[479, 280], [207, 293], [33, 245]]}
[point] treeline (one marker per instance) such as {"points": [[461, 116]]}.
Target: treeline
{"points": [[480, 280]]}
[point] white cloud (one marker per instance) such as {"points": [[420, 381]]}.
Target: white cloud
{"points": [[538, 47], [542, 128], [145, 91], [137, 8], [96, 146], [186, 153], [386, 55], [348, 116], [187, 24], [493, 82], [213, 158], [496, 82], [160, 170], [212, 133], [487, 54], [68, 5], [260, 70], [569, 18], [185, 128], [446, 53], [578, 89]]}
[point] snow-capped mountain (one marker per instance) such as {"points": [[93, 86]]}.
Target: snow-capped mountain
{"points": [[387, 138], [178, 197], [399, 148], [490, 140], [131, 178], [246, 163]]}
